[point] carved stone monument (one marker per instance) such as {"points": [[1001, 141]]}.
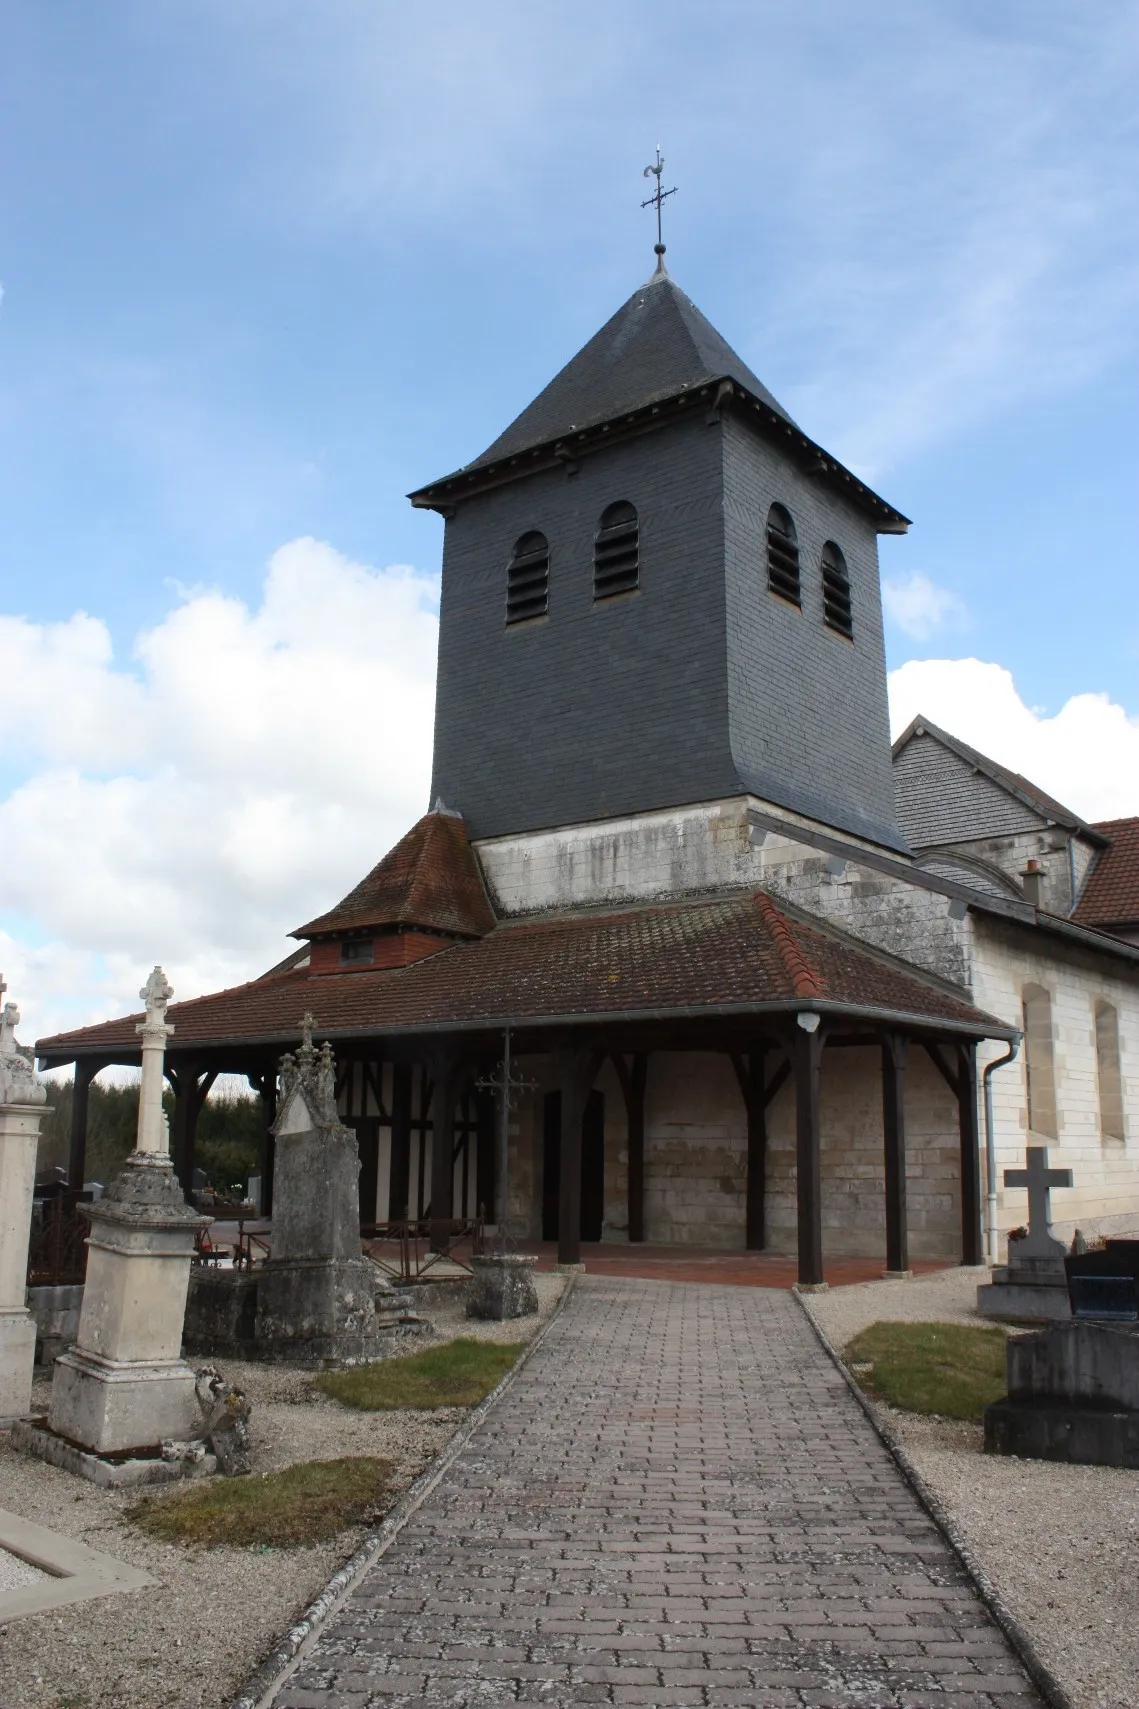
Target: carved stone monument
{"points": [[315, 1292], [1033, 1286], [21, 1107], [123, 1385]]}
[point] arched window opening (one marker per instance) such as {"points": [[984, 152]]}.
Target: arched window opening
{"points": [[528, 578], [783, 554], [837, 612], [1109, 1071], [616, 551], [1039, 1063]]}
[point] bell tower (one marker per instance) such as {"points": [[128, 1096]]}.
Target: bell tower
{"points": [[658, 591]]}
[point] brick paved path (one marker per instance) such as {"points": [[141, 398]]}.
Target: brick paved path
{"points": [[678, 1502]]}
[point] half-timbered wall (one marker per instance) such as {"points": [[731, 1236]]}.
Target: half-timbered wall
{"points": [[388, 1106]]}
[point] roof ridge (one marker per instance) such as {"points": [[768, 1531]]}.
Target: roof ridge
{"points": [[804, 979]]}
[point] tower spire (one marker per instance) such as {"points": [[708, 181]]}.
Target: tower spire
{"points": [[654, 201]]}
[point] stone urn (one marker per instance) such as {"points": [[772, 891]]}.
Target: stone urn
{"points": [[502, 1286]]}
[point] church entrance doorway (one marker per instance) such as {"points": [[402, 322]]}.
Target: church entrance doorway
{"points": [[592, 1165]]}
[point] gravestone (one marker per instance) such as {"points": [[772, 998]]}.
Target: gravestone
{"points": [[1033, 1286], [315, 1291], [1073, 1395], [22, 1101], [124, 1387]]}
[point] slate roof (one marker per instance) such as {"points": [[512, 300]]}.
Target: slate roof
{"points": [[681, 959], [657, 347], [431, 879], [1021, 788], [1110, 896], [658, 343]]}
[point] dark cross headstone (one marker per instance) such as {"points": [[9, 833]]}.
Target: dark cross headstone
{"points": [[1039, 1179]]}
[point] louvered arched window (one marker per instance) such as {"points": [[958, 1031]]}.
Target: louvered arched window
{"points": [[616, 551], [837, 613], [782, 554], [528, 578]]}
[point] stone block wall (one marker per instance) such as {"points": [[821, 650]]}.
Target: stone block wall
{"points": [[696, 1156], [1105, 1197]]}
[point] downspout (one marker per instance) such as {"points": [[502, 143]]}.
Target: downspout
{"points": [[991, 1145]]}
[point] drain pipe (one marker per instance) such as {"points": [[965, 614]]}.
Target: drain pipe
{"points": [[991, 1144]]}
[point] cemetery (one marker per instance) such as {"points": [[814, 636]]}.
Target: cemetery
{"points": [[318, 1390]]}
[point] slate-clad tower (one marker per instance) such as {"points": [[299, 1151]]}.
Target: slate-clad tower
{"points": [[658, 591]]}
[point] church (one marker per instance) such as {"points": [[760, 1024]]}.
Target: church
{"points": [[769, 983]]}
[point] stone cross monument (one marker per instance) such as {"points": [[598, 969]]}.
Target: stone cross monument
{"points": [[123, 1385], [1032, 1287], [316, 1293], [21, 1107]]}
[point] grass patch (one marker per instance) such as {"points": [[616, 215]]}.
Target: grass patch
{"points": [[952, 1369], [459, 1373], [302, 1504]]}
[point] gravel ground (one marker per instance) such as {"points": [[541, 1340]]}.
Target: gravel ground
{"points": [[1060, 1543], [15, 1574], [191, 1643]]}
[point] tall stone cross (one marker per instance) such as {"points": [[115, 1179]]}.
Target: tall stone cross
{"points": [[153, 1139], [1039, 1180]]}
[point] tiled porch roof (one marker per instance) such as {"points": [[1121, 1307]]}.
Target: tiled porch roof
{"points": [[682, 959]]}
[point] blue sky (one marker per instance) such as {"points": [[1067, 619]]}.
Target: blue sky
{"points": [[266, 268]]}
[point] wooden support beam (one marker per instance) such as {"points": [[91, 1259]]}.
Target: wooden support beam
{"points": [[933, 1051], [633, 1074], [751, 1072], [85, 1072], [808, 1051], [192, 1081], [577, 1069], [972, 1244], [447, 1072], [894, 1133], [265, 1085]]}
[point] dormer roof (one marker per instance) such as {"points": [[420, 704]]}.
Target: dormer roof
{"points": [[430, 880], [657, 354]]}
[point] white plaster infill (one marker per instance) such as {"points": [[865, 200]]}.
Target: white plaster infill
{"points": [[75, 1572]]}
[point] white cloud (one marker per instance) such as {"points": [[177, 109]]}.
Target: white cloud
{"points": [[1086, 754], [919, 607], [247, 770]]}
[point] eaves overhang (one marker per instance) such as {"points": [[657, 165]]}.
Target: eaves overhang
{"points": [[713, 397], [783, 1008]]}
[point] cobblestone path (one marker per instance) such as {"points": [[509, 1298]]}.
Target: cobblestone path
{"points": [[678, 1502]]}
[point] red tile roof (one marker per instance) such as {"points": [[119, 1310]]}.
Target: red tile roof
{"points": [[430, 879], [1111, 895], [684, 958]]}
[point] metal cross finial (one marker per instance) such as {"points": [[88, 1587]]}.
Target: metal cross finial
{"points": [[654, 201]]}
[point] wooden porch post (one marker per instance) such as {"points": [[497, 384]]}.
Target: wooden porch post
{"points": [[972, 1243], [894, 1132], [85, 1072], [446, 1071], [191, 1088], [577, 1070], [265, 1085], [632, 1076], [808, 1050]]}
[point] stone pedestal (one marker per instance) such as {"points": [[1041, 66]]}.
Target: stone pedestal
{"points": [[1031, 1288], [502, 1286], [315, 1292], [123, 1385], [21, 1107]]}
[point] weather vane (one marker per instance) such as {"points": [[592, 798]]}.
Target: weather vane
{"points": [[654, 201]]}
